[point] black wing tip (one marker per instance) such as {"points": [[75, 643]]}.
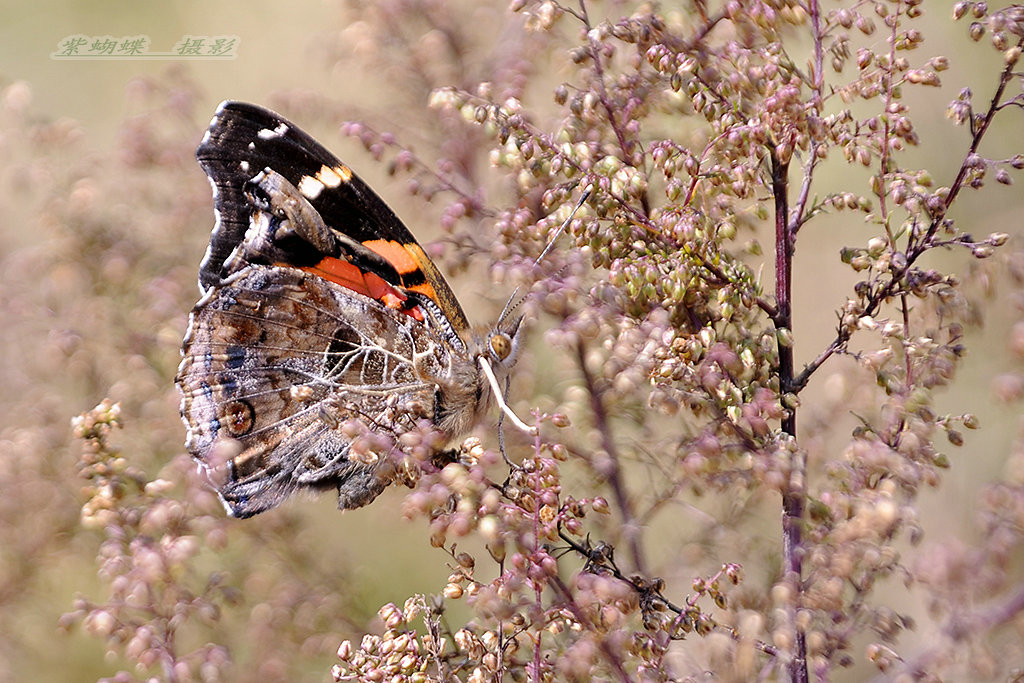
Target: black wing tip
{"points": [[234, 123], [248, 110]]}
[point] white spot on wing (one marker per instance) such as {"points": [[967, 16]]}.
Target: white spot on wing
{"points": [[328, 176], [311, 187], [267, 134], [213, 122]]}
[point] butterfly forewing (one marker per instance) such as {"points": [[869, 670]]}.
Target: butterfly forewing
{"points": [[245, 139]]}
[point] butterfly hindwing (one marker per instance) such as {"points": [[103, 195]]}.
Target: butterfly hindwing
{"points": [[276, 361]]}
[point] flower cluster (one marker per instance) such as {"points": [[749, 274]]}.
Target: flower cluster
{"points": [[147, 558]]}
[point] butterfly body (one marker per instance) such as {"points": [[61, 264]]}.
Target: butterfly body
{"points": [[318, 308]]}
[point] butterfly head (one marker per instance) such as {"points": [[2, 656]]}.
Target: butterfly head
{"points": [[496, 358], [502, 340], [501, 347]]}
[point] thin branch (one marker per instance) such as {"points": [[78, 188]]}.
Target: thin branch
{"points": [[793, 494], [613, 472], [883, 204], [609, 653], [798, 218], [915, 250], [635, 159], [599, 558]]}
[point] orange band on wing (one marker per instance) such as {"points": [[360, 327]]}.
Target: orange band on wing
{"points": [[367, 284], [397, 254], [407, 259]]}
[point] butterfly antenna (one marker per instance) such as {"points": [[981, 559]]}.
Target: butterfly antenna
{"points": [[499, 395], [509, 306], [512, 303], [565, 224]]}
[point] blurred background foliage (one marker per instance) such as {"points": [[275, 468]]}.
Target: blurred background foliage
{"points": [[107, 216]]}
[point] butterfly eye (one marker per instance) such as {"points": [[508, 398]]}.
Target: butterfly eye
{"points": [[501, 346]]}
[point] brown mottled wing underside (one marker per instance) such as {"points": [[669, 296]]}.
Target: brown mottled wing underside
{"points": [[276, 361]]}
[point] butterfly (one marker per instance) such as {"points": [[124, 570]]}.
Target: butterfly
{"points": [[318, 308]]}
